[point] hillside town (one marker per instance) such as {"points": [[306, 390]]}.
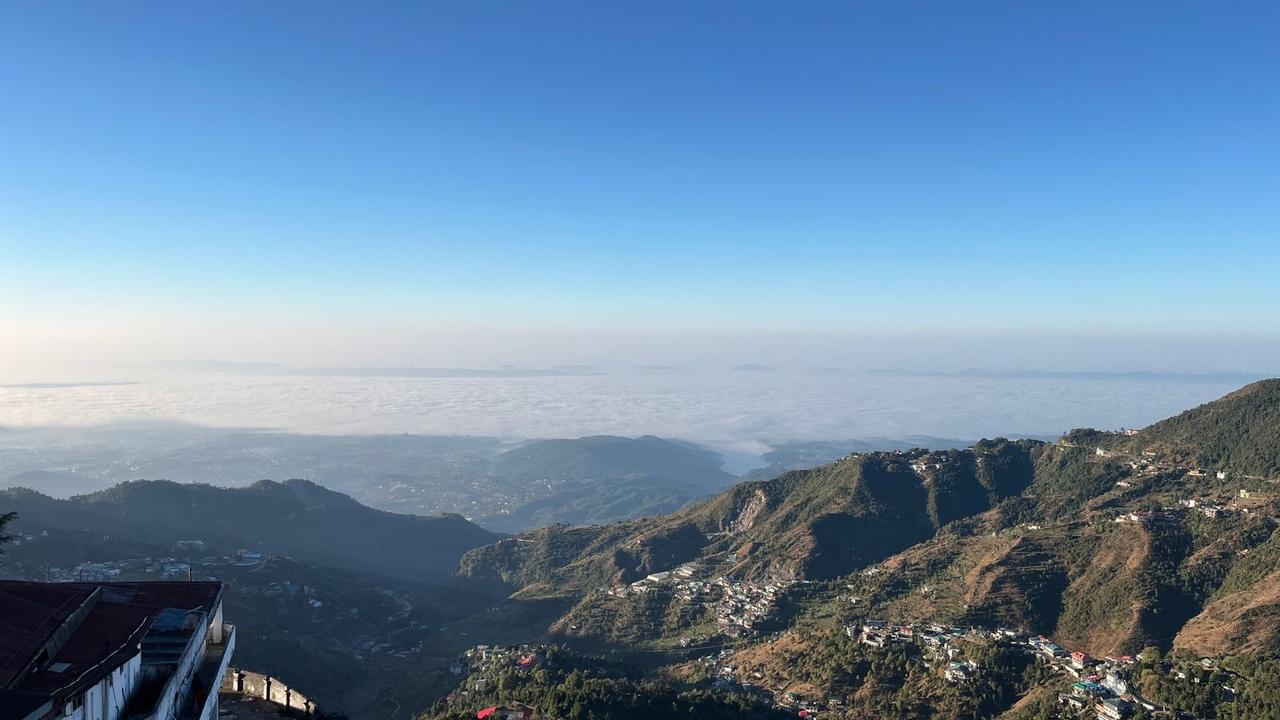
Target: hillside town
{"points": [[1100, 688], [740, 608], [1099, 685]]}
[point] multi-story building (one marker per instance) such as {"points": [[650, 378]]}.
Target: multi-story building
{"points": [[112, 651]]}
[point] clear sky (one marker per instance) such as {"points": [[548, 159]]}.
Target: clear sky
{"points": [[442, 183]]}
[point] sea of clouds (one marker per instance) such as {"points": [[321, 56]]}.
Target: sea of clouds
{"points": [[738, 413]]}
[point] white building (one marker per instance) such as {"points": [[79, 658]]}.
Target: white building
{"points": [[107, 651]]}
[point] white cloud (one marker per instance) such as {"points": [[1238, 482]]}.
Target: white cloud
{"points": [[739, 412]]}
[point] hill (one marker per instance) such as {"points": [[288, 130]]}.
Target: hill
{"points": [[1237, 433], [559, 683], [611, 457], [801, 454], [1105, 554], [817, 523], [506, 486], [295, 518], [1110, 552], [55, 484], [602, 478]]}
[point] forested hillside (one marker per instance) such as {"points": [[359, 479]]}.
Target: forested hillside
{"points": [[1161, 542], [818, 523], [1239, 433], [295, 518]]}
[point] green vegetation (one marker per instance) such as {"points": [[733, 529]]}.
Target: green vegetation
{"points": [[1066, 478], [569, 686], [1257, 686], [1261, 560], [898, 682], [1180, 681], [604, 478], [1105, 553], [636, 620], [540, 555], [819, 523], [5, 519], [1239, 433], [295, 518]]}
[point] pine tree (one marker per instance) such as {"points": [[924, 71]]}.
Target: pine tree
{"points": [[5, 519]]}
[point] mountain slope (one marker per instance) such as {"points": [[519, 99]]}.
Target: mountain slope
{"points": [[1110, 552], [603, 478], [1106, 555], [295, 518], [1239, 433], [1243, 615], [611, 457], [818, 523]]}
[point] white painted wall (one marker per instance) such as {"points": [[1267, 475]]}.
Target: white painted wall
{"points": [[107, 699]]}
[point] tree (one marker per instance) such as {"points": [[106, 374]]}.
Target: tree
{"points": [[1150, 655], [5, 519]]}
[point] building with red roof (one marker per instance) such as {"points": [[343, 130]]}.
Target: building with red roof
{"points": [[515, 711]]}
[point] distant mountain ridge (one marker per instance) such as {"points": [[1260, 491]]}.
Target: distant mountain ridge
{"points": [[505, 484], [295, 518], [604, 478], [1131, 375], [56, 484], [609, 456]]}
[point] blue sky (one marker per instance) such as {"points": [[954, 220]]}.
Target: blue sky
{"points": [[194, 178]]}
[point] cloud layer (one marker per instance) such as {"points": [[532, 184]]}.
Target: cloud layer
{"points": [[733, 412]]}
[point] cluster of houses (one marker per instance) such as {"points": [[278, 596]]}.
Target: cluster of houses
{"points": [[1100, 687], [930, 463], [1211, 508], [726, 673], [743, 606], [937, 643], [1205, 506], [487, 657], [1147, 517], [1208, 507], [157, 568], [520, 658], [740, 607]]}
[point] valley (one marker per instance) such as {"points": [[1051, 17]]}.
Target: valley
{"points": [[953, 583]]}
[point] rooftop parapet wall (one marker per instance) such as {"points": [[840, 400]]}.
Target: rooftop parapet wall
{"points": [[247, 682]]}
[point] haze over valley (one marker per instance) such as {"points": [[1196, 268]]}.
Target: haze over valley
{"points": [[461, 444], [580, 360]]}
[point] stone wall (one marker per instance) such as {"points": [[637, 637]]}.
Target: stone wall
{"points": [[247, 682]]}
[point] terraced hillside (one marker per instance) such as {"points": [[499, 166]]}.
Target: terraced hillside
{"points": [[817, 524], [1110, 550]]}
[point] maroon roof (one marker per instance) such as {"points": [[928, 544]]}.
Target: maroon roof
{"points": [[17, 704], [29, 613], [110, 631]]}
